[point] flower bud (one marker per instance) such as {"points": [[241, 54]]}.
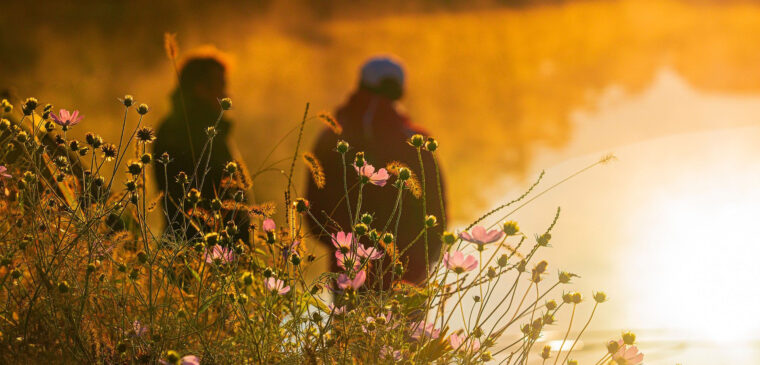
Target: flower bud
{"points": [[342, 147], [181, 178], [565, 277], [239, 196], [366, 218], [387, 238], [486, 356], [543, 240], [359, 159], [449, 238], [316, 317], [510, 228], [134, 168], [268, 272], [172, 357], [546, 352], [242, 299], [211, 239], [128, 100], [246, 278], [417, 140], [146, 158], [295, 259], [164, 158], [29, 105], [193, 196], [431, 144], [551, 305], [600, 297], [521, 266], [216, 204], [361, 229], [199, 246], [22, 137], [131, 185], [7, 107], [431, 221], [226, 103], [502, 260], [398, 269], [63, 287], [629, 338], [404, 174], [613, 347], [142, 109], [231, 168], [374, 235], [302, 205], [491, 272]]}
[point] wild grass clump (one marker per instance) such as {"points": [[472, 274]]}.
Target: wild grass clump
{"points": [[84, 278]]}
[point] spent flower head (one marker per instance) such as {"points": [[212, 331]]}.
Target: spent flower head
{"points": [[146, 135]]}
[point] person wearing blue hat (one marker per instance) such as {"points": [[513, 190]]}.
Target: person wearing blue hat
{"points": [[374, 123]]}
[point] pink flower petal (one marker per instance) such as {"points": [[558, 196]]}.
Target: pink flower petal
{"points": [[268, 225]]}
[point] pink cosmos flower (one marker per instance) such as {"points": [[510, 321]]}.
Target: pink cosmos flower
{"points": [[387, 353], [480, 236], [345, 283], [185, 360], [139, 329], [67, 119], [4, 172], [190, 360], [457, 341], [223, 254], [627, 355], [458, 263], [371, 253], [348, 260], [378, 178], [268, 225], [342, 241], [336, 310], [276, 285], [423, 329]]}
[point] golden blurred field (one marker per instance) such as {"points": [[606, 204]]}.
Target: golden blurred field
{"points": [[493, 82]]}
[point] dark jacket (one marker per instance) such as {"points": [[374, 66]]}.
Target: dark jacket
{"points": [[185, 153], [375, 125]]}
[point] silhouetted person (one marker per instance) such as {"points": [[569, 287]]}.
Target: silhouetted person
{"points": [[373, 123], [183, 134]]}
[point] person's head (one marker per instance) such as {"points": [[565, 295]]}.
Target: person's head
{"points": [[383, 76], [203, 78]]}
